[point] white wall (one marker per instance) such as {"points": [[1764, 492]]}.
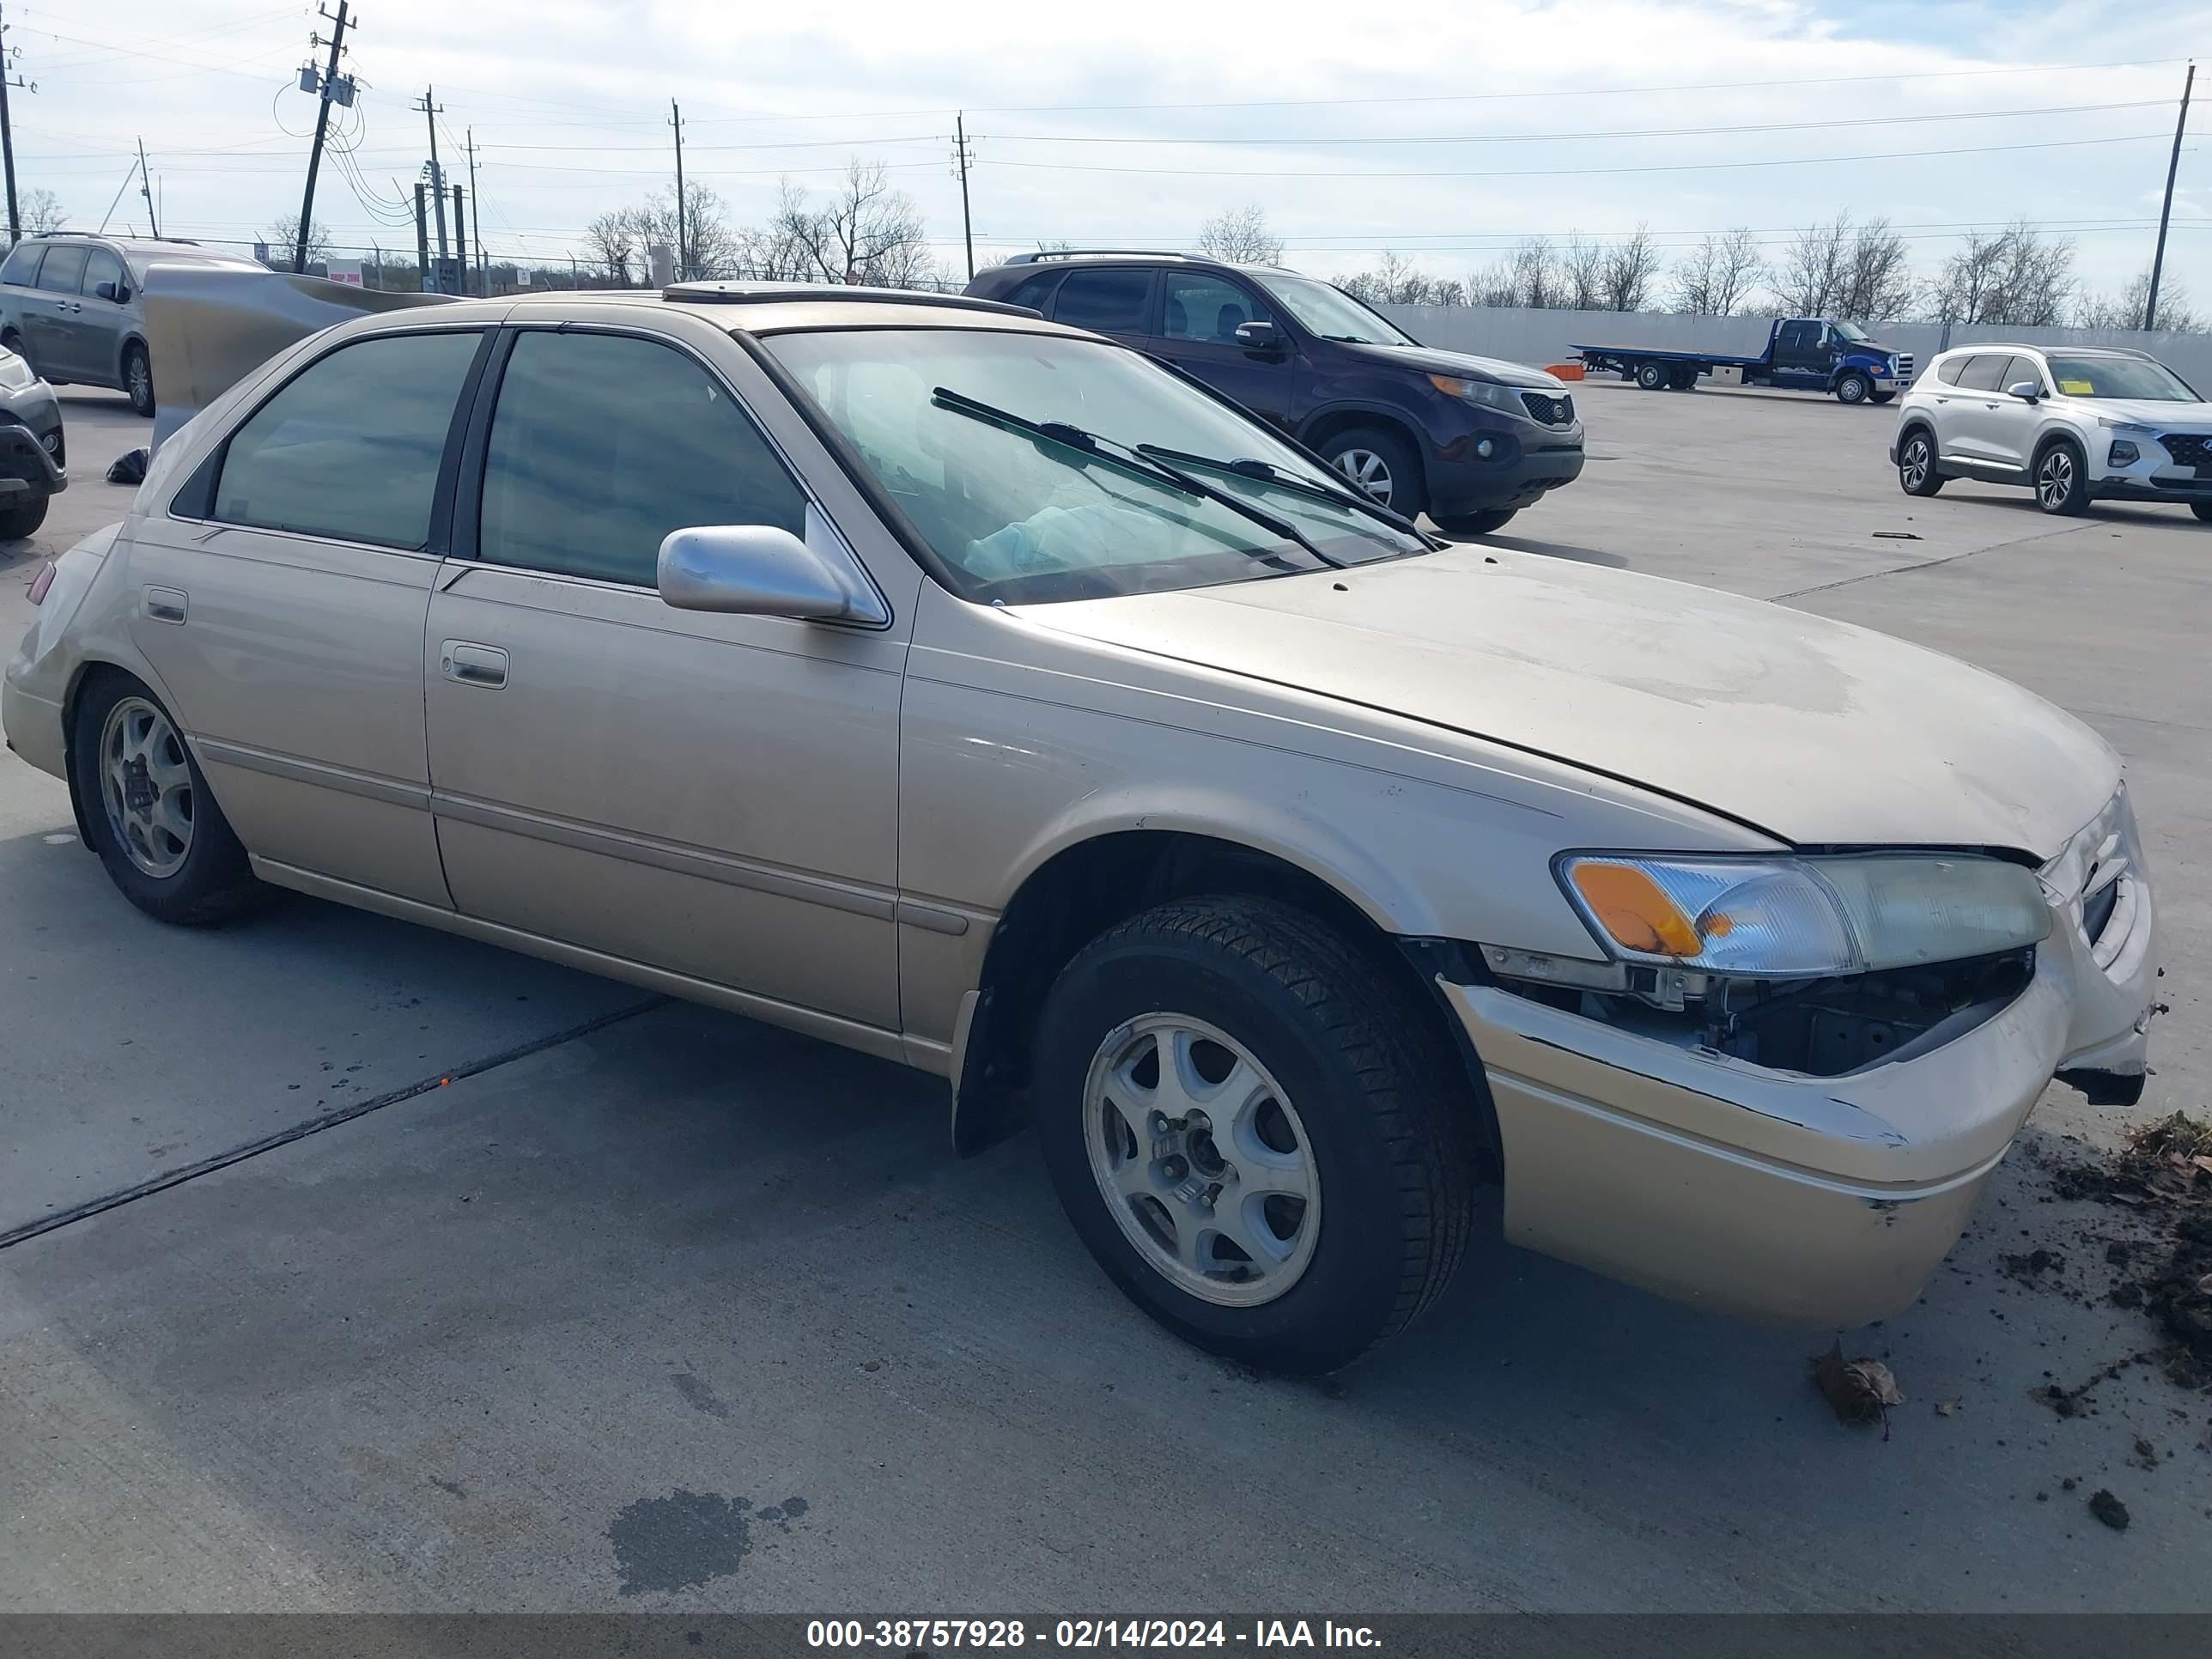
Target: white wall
{"points": [[1550, 336]]}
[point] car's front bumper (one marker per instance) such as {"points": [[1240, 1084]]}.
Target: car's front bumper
{"points": [[1779, 1195], [33, 459], [1526, 461]]}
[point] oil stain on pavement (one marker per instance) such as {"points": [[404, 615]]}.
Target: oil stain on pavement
{"points": [[689, 1538]]}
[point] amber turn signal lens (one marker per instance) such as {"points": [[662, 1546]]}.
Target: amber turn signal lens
{"points": [[1629, 905]]}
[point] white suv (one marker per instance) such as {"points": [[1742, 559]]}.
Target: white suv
{"points": [[2075, 423]]}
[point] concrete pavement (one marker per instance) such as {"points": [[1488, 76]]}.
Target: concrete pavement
{"points": [[688, 1313]]}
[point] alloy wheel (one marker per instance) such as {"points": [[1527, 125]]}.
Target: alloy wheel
{"points": [[2054, 479], [146, 787], [1914, 466], [1367, 470], [1202, 1160]]}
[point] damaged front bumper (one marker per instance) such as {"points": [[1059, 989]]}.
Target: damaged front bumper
{"points": [[1785, 1196]]}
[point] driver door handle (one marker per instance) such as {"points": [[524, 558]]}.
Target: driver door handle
{"points": [[472, 664]]}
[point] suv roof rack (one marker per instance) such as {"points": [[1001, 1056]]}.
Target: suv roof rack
{"points": [[1045, 253], [757, 293], [103, 236]]}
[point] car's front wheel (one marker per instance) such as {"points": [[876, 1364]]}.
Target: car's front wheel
{"points": [[1475, 524], [1916, 463], [2062, 482], [2203, 510], [1382, 464], [1854, 388], [155, 826], [1263, 1142], [1882, 397], [138, 379], [19, 521]]}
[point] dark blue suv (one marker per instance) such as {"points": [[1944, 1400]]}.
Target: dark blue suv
{"points": [[1469, 441]]}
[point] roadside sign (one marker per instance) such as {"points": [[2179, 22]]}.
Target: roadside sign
{"points": [[347, 271]]}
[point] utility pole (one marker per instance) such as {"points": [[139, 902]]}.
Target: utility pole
{"points": [[461, 239], [2158, 260], [422, 277], [8, 56], [431, 112], [483, 285], [146, 190], [329, 90], [962, 156], [683, 241]]}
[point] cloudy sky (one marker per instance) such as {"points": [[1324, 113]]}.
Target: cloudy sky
{"points": [[1443, 131]]}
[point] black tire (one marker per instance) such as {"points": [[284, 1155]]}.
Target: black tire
{"points": [[2061, 479], [11, 340], [17, 522], [1854, 388], [1882, 397], [1380, 1096], [2203, 510], [213, 882], [138, 379], [1652, 377], [1475, 524], [1408, 491], [1683, 379], [1916, 463]]}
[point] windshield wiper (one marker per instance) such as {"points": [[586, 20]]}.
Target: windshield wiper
{"points": [[1132, 460], [1268, 472]]}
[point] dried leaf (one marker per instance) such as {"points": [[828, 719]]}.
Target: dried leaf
{"points": [[1857, 1390], [1947, 1409], [2202, 1163]]}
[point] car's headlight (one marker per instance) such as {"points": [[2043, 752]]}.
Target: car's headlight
{"points": [[14, 372], [1504, 399], [2134, 428], [1792, 918]]}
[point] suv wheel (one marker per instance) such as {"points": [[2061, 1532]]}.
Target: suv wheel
{"points": [[17, 522], [1854, 388], [1381, 463], [1263, 1142], [138, 379], [2061, 482], [157, 829], [2203, 510], [1916, 463]]}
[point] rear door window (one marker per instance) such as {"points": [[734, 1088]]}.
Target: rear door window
{"points": [[351, 447], [63, 270], [1110, 300], [23, 266], [1985, 373]]}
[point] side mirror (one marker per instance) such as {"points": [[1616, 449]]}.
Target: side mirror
{"points": [[2026, 391], [758, 570], [1259, 337], [111, 292]]}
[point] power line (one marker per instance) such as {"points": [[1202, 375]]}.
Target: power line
{"points": [[1562, 173]]}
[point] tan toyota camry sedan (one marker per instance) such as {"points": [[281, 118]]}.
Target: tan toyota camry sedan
{"points": [[979, 693]]}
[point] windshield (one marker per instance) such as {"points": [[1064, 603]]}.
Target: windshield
{"points": [[1331, 313], [1029, 519], [1852, 332], [2137, 377]]}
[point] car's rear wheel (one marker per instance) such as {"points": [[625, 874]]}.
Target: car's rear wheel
{"points": [[1916, 463], [1475, 524], [1261, 1140], [2203, 510], [17, 522], [1854, 388], [138, 379], [155, 826], [2061, 482], [1651, 376], [1382, 465]]}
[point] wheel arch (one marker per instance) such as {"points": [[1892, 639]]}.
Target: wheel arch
{"points": [[132, 336], [1328, 423], [1087, 885]]}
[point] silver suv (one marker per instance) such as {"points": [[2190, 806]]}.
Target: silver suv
{"points": [[75, 307], [2074, 423]]}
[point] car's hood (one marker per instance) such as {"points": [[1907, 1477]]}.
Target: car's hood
{"points": [[2162, 414], [1815, 731], [1427, 360]]}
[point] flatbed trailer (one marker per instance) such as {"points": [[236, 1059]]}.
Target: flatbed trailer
{"points": [[1803, 354]]}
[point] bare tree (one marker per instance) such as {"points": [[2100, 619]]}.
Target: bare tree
{"points": [[40, 210], [1396, 281], [1630, 266], [613, 242], [1811, 273], [2125, 309], [1582, 271], [701, 243], [866, 232], [1240, 236], [2016, 275], [1861, 273], [283, 239], [1719, 278]]}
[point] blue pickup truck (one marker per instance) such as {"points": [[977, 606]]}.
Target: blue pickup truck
{"points": [[1805, 354]]}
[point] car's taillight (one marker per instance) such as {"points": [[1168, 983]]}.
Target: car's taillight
{"points": [[41, 582]]}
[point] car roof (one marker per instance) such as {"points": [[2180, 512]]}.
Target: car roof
{"points": [[757, 308], [1050, 258]]}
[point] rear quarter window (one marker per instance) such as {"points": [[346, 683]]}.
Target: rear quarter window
{"points": [[23, 266]]}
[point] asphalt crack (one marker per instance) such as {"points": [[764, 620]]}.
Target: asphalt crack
{"points": [[313, 1125], [1928, 564]]}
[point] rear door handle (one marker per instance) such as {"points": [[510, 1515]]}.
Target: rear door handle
{"points": [[472, 664], [165, 605]]}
